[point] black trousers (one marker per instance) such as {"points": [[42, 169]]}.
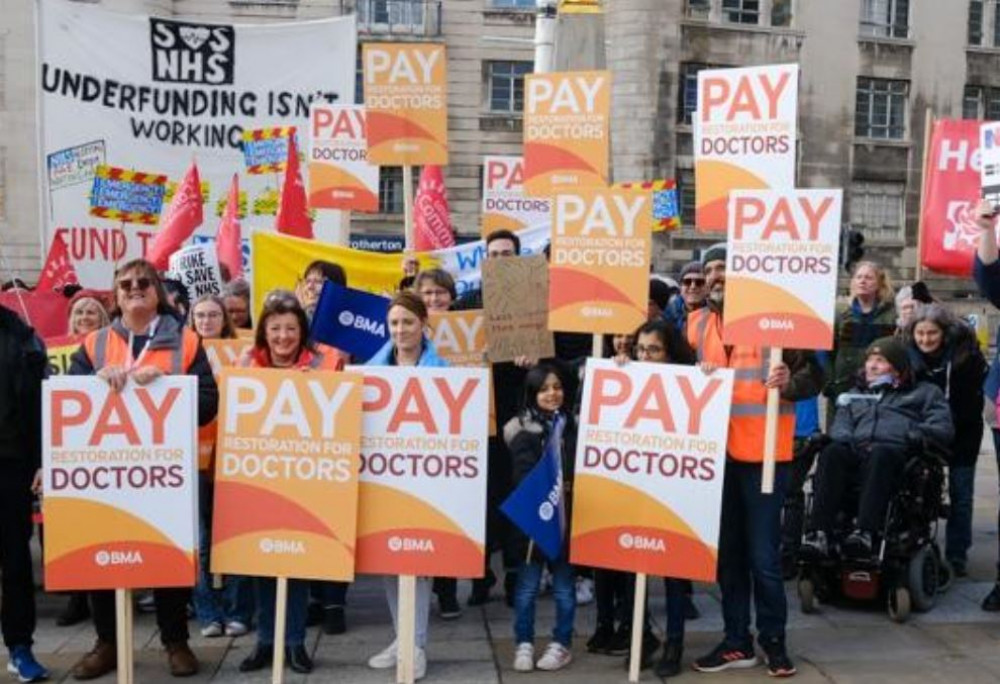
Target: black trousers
{"points": [[171, 614], [877, 469], [17, 602]]}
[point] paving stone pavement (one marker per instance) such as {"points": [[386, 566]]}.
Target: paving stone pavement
{"points": [[955, 642]]}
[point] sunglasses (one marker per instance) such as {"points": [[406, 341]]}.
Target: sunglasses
{"points": [[693, 282], [129, 284]]}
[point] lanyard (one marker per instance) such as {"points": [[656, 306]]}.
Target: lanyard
{"points": [[134, 363]]}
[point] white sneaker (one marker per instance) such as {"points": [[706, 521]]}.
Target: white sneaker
{"points": [[384, 659], [211, 630], [556, 657], [235, 628], [524, 657], [419, 664], [584, 591]]}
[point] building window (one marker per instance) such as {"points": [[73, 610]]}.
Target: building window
{"points": [[513, 4], [689, 89], [391, 12], [975, 22], [877, 210], [686, 196], [741, 11], [506, 85], [980, 102], [699, 9], [885, 18], [390, 188], [781, 13], [880, 112]]}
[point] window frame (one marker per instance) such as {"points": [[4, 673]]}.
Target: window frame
{"points": [[514, 84], [742, 13], [873, 93], [867, 191], [872, 26]]}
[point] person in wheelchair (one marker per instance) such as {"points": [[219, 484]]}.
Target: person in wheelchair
{"points": [[874, 431]]}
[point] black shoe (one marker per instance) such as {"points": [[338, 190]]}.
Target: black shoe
{"points": [[691, 611], [448, 606], [858, 544], [334, 621], [620, 641], [670, 661], [314, 614], [76, 611], [481, 590], [649, 646], [958, 568], [298, 659], [726, 657], [991, 603], [600, 641], [259, 658], [778, 662]]}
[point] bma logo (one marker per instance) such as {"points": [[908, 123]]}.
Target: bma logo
{"points": [[192, 53], [359, 322], [105, 558], [639, 542], [408, 544]]}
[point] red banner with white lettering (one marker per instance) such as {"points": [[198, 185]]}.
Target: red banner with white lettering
{"points": [[951, 192]]}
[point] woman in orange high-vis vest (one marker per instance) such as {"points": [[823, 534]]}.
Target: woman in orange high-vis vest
{"points": [[144, 341], [227, 610], [281, 341], [750, 536]]}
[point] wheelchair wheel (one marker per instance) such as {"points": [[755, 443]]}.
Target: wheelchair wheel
{"points": [[923, 575], [899, 604], [807, 595]]}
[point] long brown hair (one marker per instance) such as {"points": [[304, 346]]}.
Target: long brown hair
{"points": [[280, 302], [228, 331]]}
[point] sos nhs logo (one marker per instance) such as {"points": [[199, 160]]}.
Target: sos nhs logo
{"points": [[192, 53]]}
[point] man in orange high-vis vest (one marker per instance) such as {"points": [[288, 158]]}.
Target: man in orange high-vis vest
{"points": [[750, 536]]}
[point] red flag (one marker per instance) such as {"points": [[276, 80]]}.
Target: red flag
{"points": [[181, 218], [293, 212], [227, 239], [431, 219], [59, 270], [951, 193]]}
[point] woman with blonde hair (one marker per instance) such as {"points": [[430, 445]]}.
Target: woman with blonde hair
{"points": [[87, 313]]}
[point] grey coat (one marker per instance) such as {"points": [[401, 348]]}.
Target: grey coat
{"points": [[886, 417]]}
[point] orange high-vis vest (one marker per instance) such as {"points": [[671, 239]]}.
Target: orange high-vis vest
{"points": [[749, 409]]}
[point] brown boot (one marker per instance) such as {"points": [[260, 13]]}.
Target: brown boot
{"points": [[182, 661], [102, 659]]}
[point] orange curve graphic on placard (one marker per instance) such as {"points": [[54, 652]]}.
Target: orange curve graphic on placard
{"points": [[493, 222], [383, 127], [569, 286], [419, 551], [716, 178], [292, 553], [336, 188], [760, 303], [248, 509], [380, 506], [120, 565], [92, 524], [542, 158]]}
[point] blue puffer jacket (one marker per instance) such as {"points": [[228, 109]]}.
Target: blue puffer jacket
{"points": [[428, 358]]}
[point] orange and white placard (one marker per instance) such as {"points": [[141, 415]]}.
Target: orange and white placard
{"points": [[781, 268], [223, 353], [567, 119], [120, 482], [599, 266], [340, 176], [744, 136], [505, 206], [422, 507], [650, 460], [286, 473], [406, 100]]}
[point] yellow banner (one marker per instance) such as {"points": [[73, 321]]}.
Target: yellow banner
{"points": [[580, 7]]}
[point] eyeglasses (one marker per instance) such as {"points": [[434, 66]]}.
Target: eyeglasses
{"points": [[207, 315], [693, 282], [652, 350], [129, 284]]}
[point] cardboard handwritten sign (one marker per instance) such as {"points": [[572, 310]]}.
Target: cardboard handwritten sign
{"points": [[120, 483], [197, 266], [515, 304]]}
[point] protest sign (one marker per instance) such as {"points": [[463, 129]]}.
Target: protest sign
{"points": [[505, 206], [46, 312], [515, 304], [153, 91], [650, 461], [666, 209], [120, 483], [459, 337], [350, 320], [567, 119], [781, 268], [406, 101], [950, 196], [744, 135], [60, 349], [989, 162], [286, 474], [340, 176], [265, 150], [599, 273], [278, 261], [224, 353], [127, 196], [197, 267], [423, 477]]}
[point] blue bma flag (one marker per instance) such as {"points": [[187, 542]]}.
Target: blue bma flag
{"points": [[537, 506], [350, 320]]}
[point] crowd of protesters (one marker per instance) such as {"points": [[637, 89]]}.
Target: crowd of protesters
{"points": [[919, 362]]}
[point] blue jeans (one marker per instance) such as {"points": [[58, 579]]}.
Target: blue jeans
{"points": [[529, 577], [235, 600], [750, 554], [958, 533], [295, 615]]}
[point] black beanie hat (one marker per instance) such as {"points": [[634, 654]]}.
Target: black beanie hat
{"points": [[893, 350]]}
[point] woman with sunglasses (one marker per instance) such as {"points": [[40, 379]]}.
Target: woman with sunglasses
{"points": [[281, 341], [144, 342]]}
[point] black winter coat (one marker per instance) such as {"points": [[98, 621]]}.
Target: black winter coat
{"points": [[23, 366]]}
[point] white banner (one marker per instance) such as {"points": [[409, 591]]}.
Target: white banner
{"points": [[150, 94]]}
